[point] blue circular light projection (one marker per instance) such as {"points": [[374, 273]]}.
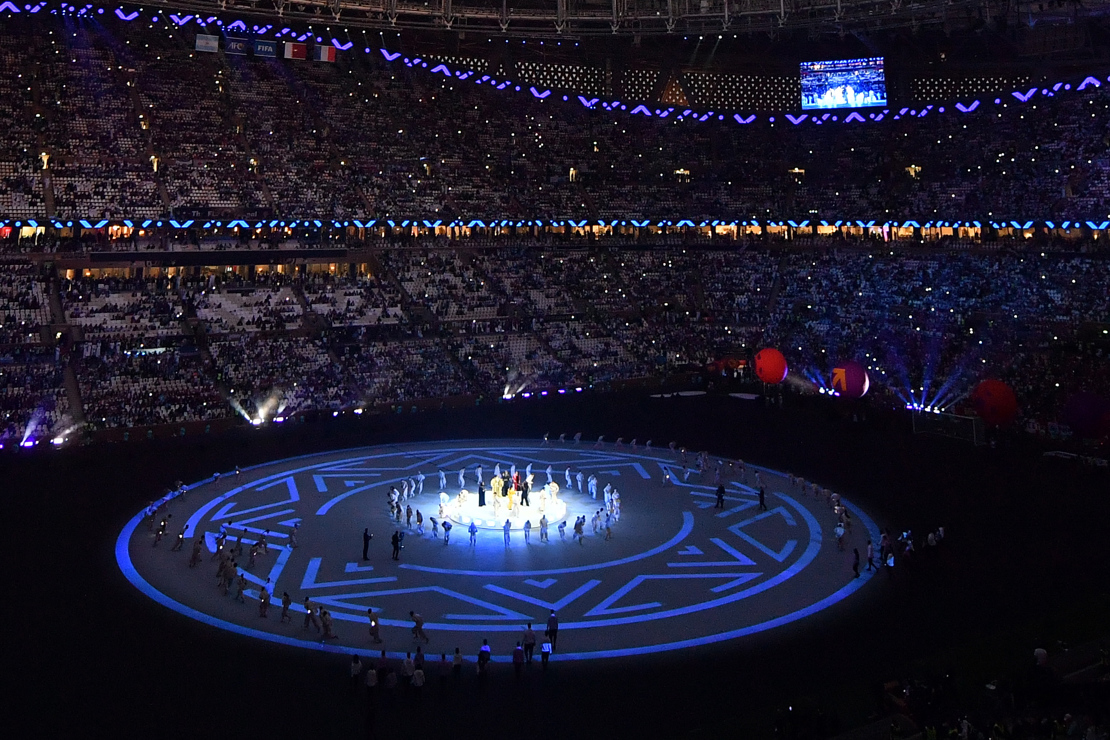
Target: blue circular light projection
{"points": [[676, 563]]}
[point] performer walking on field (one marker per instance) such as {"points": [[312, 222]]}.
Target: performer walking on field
{"points": [[418, 627], [552, 629], [375, 630], [310, 615]]}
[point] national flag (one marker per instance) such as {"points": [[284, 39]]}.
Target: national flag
{"points": [[296, 51], [323, 53], [264, 48], [237, 46], [208, 43]]}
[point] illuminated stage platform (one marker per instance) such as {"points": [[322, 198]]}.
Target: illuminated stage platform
{"points": [[545, 501], [681, 569]]}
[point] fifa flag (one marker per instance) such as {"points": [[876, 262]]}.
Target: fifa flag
{"points": [[296, 51], [265, 48], [323, 53], [208, 43], [234, 45]]}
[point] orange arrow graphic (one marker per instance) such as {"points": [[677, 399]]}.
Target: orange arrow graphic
{"points": [[838, 380]]}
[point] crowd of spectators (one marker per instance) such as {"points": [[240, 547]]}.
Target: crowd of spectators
{"points": [[923, 324], [97, 126], [266, 377], [24, 307], [506, 364], [259, 137], [406, 370], [110, 307], [33, 401], [131, 384], [264, 306], [20, 181], [927, 325], [447, 284], [361, 301]]}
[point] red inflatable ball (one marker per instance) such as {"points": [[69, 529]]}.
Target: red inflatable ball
{"points": [[770, 366], [849, 379], [1087, 415], [995, 402]]}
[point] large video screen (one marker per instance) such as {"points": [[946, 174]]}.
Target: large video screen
{"points": [[843, 83]]}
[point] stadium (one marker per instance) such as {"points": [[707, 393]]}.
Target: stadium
{"points": [[680, 368]]}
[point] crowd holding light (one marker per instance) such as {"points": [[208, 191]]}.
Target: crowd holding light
{"points": [[481, 306], [853, 302], [1018, 161]]}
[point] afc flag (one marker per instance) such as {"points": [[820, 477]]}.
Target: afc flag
{"points": [[323, 53], [236, 46], [296, 51]]}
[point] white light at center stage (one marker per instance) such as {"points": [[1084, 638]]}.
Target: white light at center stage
{"points": [[545, 501]]}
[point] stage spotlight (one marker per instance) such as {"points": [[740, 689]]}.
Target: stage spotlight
{"points": [[279, 419], [358, 411], [257, 421]]}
